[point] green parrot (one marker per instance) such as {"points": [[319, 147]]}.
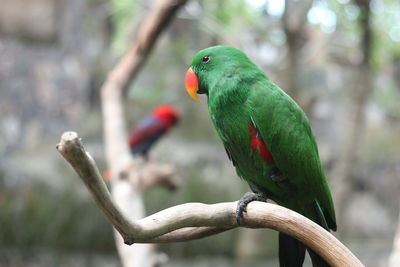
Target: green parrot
{"points": [[267, 137]]}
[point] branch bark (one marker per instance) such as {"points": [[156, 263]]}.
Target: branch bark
{"points": [[170, 225]]}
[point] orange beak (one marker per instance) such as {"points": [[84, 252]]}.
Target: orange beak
{"points": [[192, 84]]}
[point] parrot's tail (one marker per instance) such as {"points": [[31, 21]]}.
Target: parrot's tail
{"points": [[316, 259], [292, 251], [319, 218]]}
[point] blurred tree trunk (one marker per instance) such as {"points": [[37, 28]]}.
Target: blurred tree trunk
{"points": [[394, 260], [294, 21], [355, 123]]}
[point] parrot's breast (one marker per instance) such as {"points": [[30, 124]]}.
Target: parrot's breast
{"points": [[230, 111], [248, 152]]}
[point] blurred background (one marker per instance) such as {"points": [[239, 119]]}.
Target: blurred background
{"points": [[339, 59]]}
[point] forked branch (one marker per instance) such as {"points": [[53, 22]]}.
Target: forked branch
{"points": [[195, 220]]}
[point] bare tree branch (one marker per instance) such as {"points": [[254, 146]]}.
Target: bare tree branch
{"points": [[170, 224], [72, 150], [149, 31], [123, 74], [128, 180]]}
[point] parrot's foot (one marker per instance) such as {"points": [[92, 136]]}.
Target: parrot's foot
{"points": [[276, 175], [244, 201]]}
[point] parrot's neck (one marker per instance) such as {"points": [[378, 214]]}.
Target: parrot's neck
{"points": [[225, 99], [229, 90], [225, 93]]}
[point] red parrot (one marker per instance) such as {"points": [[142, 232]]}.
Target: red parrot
{"points": [[151, 128]]}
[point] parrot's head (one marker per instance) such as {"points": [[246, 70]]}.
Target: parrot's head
{"points": [[210, 65], [168, 114]]}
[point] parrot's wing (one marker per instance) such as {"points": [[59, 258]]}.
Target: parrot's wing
{"points": [[286, 131], [147, 129]]}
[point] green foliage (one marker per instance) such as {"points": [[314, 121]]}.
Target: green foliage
{"points": [[380, 148], [224, 20], [386, 19], [38, 216], [123, 13], [347, 13], [230, 13]]}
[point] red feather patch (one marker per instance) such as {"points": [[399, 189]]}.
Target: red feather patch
{"points": [[258, 145]]}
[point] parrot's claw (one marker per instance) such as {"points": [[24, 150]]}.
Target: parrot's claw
{"points": [[244, 201]]}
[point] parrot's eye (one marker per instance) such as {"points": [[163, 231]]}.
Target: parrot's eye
{"points": [[206, 59]]}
